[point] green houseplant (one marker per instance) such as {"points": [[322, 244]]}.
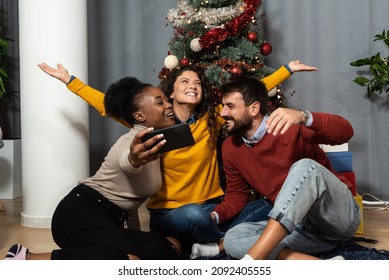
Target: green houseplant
{"points": [[379, 68], [4, 49]]}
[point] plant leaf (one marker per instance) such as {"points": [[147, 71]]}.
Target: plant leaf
{"points": [[361, 62], [362, 81]]}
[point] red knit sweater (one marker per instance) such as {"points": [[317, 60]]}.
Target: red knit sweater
{"points": [[266, 164]]}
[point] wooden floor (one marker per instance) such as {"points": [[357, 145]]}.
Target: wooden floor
{"points": [[376, 226]]}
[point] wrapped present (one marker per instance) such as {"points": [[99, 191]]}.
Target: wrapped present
{"points": [[341, 161], [358, 199]]}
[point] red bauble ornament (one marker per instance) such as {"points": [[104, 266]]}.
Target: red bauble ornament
{"points": [[266, 48], [184, 61], [252, 36], [236, 71]]}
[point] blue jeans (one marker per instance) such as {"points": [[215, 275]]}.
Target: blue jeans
{"points": [[192, 222], [313, 205]]}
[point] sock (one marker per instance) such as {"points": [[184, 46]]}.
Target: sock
{"points": [[336, 258], [247, 257], [204, 250], [16, 252]]}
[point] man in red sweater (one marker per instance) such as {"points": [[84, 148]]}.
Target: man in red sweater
{"points": [[278, 155]]}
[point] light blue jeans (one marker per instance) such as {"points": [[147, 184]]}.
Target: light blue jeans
{"points": [[315, 207]]}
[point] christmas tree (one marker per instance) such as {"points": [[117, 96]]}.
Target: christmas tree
{"points": [[223, 37]]}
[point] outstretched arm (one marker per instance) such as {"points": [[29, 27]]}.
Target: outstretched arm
{"points": [[60, 73], [283, 73], [92, 96]]}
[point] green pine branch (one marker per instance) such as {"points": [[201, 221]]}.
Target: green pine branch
{"points": [[243, 50], [249, 49], [216, 75]]}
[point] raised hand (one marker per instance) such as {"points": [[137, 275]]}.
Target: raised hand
{"points": [[281, 119], [60, 73], [297, 66], [140, 152]]}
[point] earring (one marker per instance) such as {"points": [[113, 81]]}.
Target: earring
{"points": [[139, 117]]}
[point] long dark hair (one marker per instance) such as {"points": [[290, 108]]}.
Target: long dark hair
{"points": [[206, 105]]}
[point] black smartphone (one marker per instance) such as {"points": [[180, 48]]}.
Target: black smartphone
{"points": [[177, 136]]}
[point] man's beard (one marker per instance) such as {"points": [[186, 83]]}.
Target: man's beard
{"points": [[240, 126]]}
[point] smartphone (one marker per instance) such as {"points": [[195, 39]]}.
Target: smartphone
{"points": [[176, 136]]}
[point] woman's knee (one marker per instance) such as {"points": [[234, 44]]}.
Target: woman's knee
{"points": [[195, 214]]}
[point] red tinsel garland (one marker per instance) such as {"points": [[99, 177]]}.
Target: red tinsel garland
{"points": [[232, 28]]}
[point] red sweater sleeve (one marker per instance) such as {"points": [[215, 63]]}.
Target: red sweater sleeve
{"points": [[236, 195], [330, 129]]}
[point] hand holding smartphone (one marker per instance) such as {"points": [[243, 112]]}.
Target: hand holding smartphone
{"points": [[176, 136]]}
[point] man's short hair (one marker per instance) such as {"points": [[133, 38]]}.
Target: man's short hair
{"points": [[252, 90]]}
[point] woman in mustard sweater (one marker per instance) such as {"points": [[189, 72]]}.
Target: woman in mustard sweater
{"points": [[190, 176]]}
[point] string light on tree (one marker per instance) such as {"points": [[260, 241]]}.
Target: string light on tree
{"points": [[252, 36], [235, 70]]}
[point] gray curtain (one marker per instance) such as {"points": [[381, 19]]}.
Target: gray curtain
{"points": [[125, 38], [130, 37]]}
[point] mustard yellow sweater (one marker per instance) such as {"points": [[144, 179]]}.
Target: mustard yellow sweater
{"points": [[191, 174]]}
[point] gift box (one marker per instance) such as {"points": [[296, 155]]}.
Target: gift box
{"points": [[358, 199], [341, 161], [334, 148]]}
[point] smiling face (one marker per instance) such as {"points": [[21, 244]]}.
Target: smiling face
{"points": [[154, 109], [236, 114], [187, 89]]}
